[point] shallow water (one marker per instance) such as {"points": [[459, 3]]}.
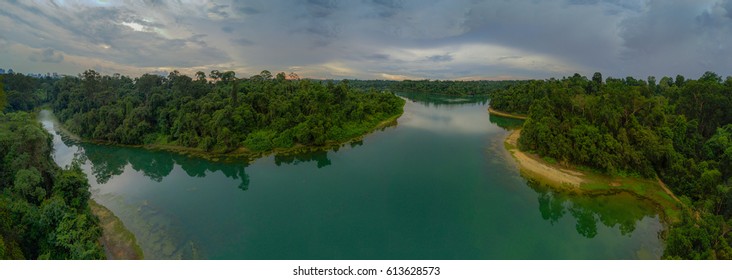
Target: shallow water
{"points": [[439, 185]]}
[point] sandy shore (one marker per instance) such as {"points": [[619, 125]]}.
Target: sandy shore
{"points": [[534, 166], [504, 114]]}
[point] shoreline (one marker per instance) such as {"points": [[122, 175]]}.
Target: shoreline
{"points": [[506, 115], [248, 155], [538, 168], [118, 242], [570, 179]]}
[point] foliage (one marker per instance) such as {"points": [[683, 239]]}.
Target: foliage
{"points": [[679, 131], [3, 103], [461, 88], [220, 113], [43, 209], [19, 92]]}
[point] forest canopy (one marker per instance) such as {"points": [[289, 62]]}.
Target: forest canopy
{"points": [[219, 112], [676, 128], [44, 211]]}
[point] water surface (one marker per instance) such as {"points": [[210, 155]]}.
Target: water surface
{"points": [[439, 185]]}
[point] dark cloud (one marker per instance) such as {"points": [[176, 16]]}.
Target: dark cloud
{"points": [[156, 3], [218, 10], [375, 38], [247, 10], [377, 57], [386, 8], [242, 41], [681, 37], [440, 58], [320, 8], [47, 56]]}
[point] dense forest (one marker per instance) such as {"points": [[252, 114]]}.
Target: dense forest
{"points": [[677, 129], [457, 88], [44, 210], [215, 113]]}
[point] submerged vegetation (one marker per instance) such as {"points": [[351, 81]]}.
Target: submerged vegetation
{"points": [[44, 209], [678, 130]]}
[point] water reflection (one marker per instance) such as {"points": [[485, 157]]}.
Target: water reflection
{"points": [[458, 115], [621, 210], [320, 157], [506, 123], [108, 161], [440, 100]]}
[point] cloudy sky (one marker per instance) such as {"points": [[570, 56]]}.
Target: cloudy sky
{"points": [[371, 39]]}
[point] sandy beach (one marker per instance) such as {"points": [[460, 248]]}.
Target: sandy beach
{"points": [[529, 164]]}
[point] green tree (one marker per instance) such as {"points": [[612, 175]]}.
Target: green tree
{"points": [[3, 98]]}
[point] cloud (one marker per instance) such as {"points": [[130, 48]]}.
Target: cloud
{"points": [[683, 37], [218, 11], [440, 58], [242, 41], [445, 39], [247, 10], [47, 56]]}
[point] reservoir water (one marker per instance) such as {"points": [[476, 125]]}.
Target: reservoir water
{"points": [[438, 185]]}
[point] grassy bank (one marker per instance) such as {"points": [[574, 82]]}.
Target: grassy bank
{"points": [[119, 243], [580, 180]]}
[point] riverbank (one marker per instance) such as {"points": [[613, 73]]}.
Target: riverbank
{"points": [[241, 153], [119, 243], [587, 182], [505, 114]]}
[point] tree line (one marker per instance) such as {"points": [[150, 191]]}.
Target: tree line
{"points": [[216, 113], [677, 129], [446, 87]]}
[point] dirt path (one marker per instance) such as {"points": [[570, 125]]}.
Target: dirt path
{"points": [[668, 191], [531, 165], [504, 114], [119, 243]]}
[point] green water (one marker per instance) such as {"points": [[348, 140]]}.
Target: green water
{"points": [[439, 185]]}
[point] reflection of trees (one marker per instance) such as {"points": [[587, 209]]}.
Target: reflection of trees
{"points": [[613, 209], [586, 221], [505, 123], [196, 167], [109, 161], [320, 157], [551, 208], [104, 166], [438, 100], [356, 143]]}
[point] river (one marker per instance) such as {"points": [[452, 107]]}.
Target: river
{"points": [[438, 185]]}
